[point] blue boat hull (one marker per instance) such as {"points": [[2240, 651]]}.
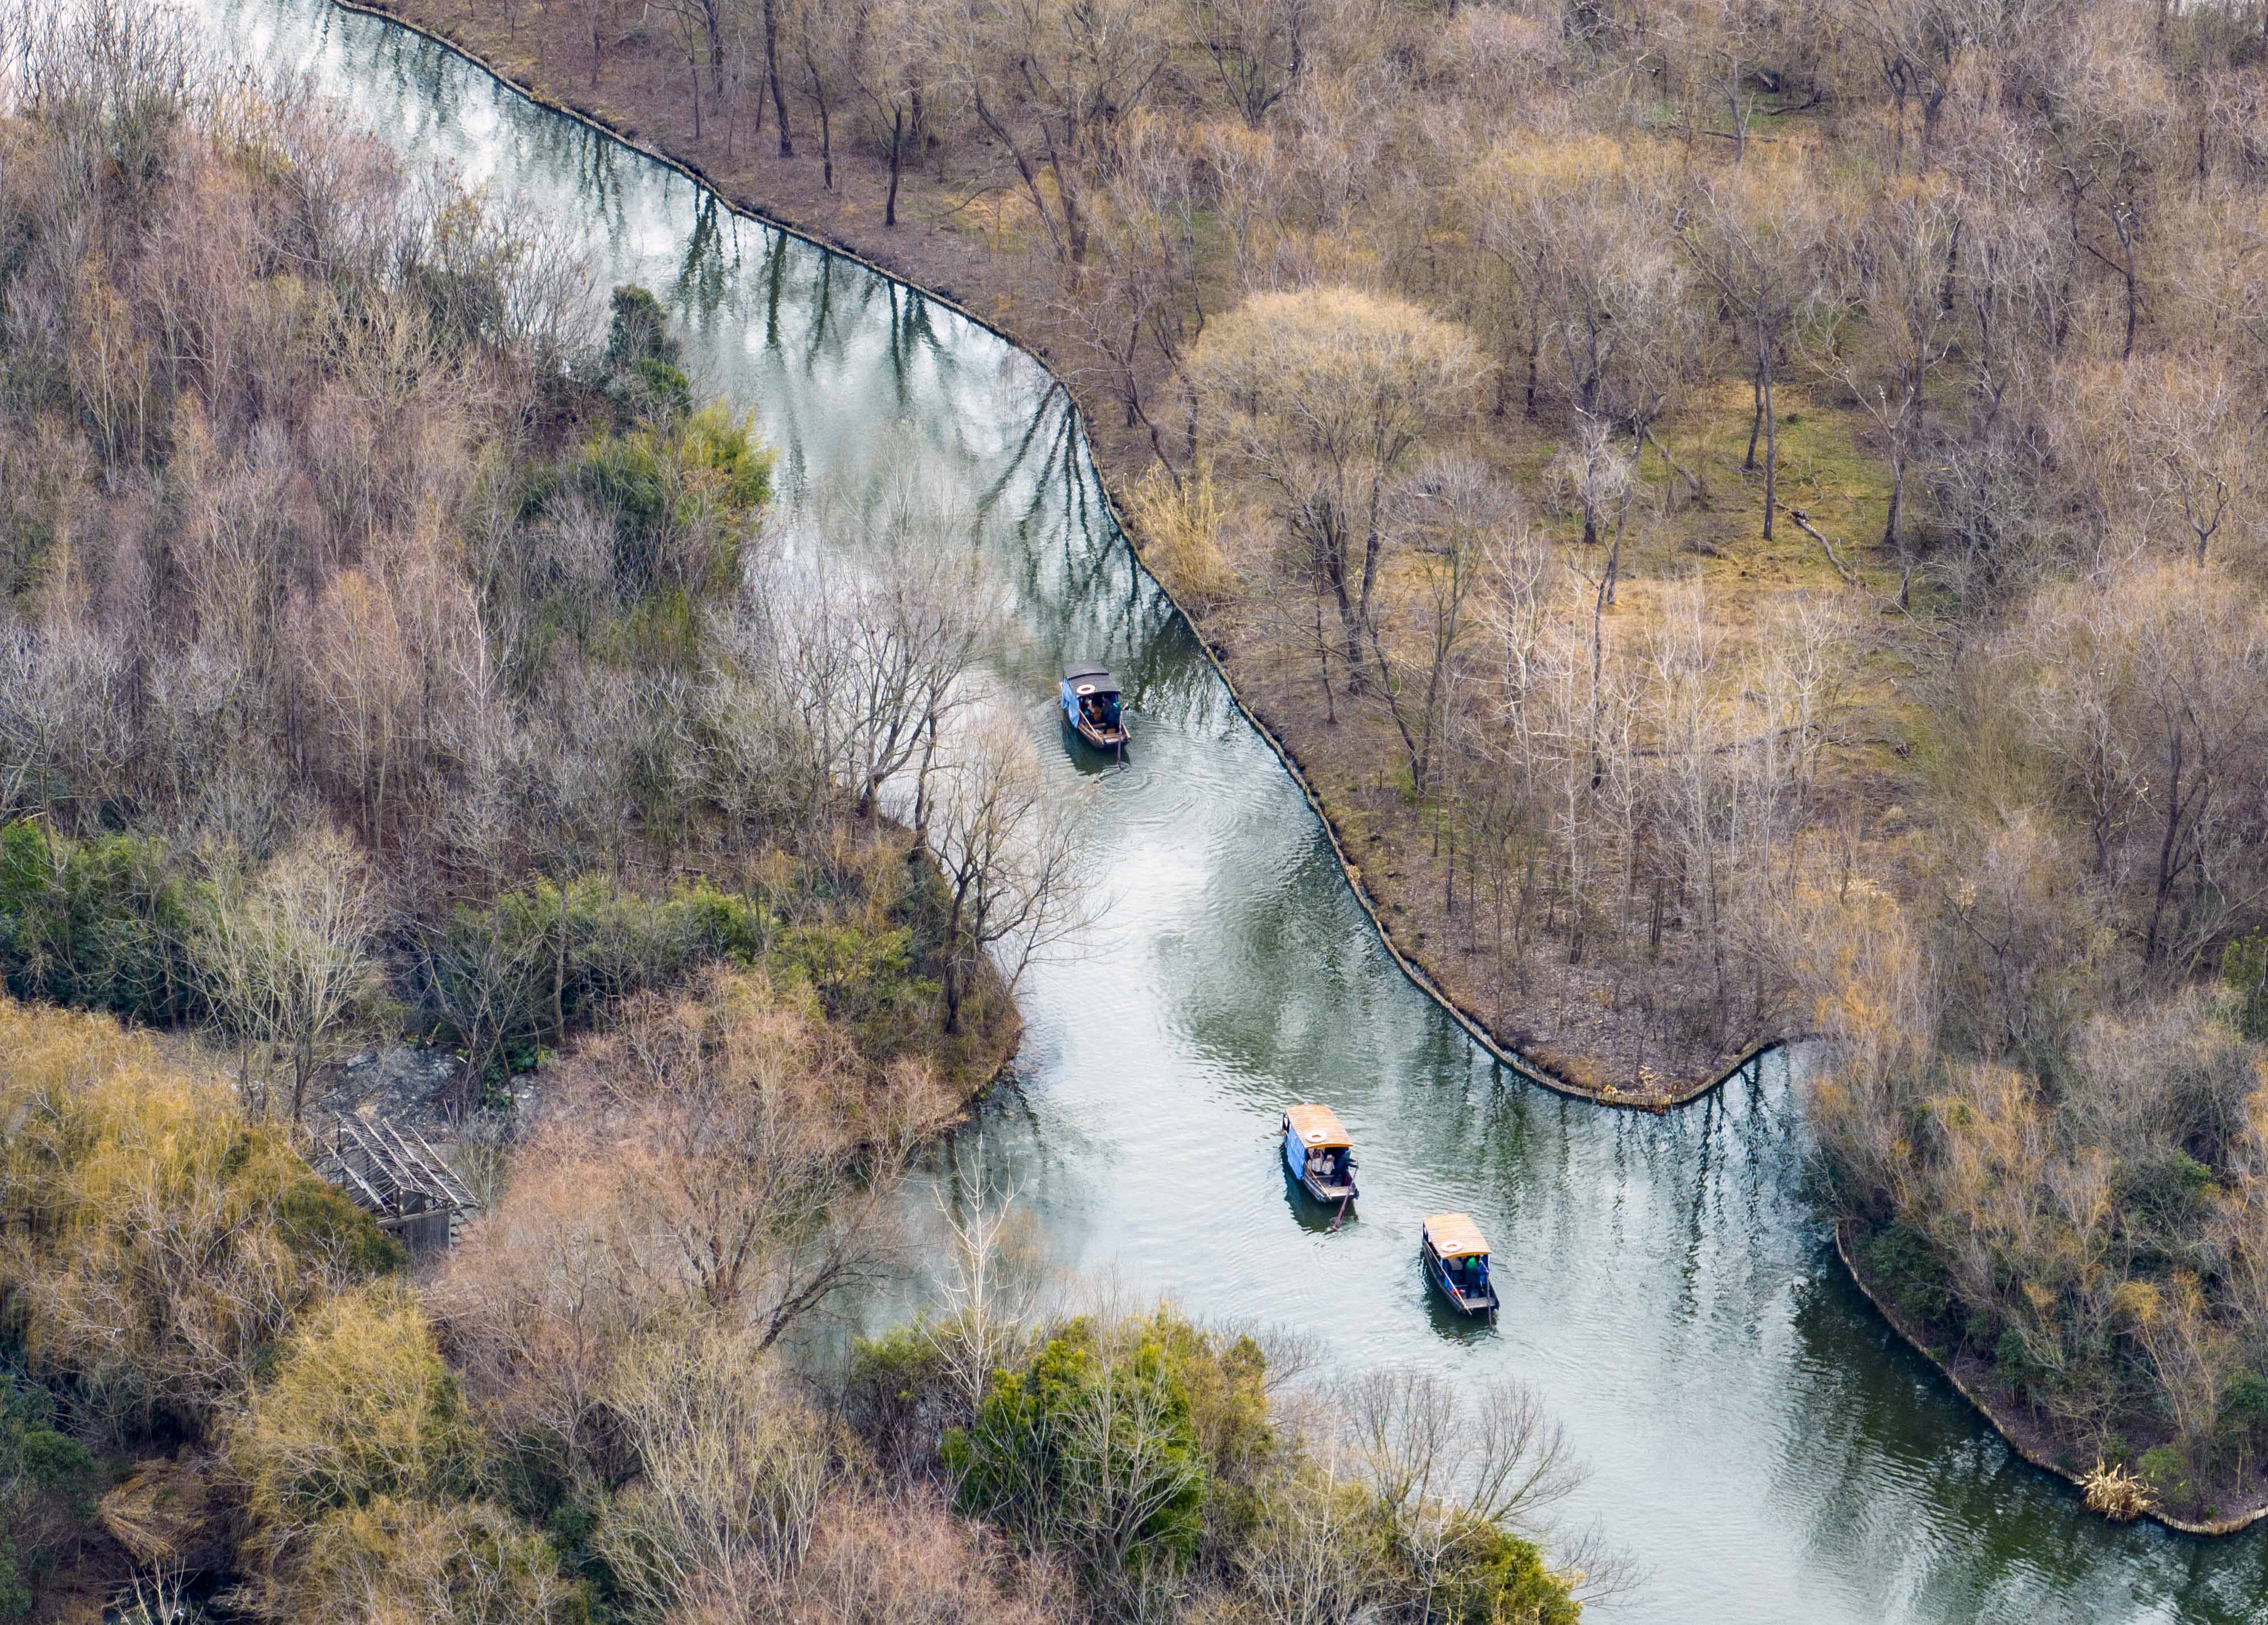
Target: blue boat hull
{"points": [[1295, 1163]]}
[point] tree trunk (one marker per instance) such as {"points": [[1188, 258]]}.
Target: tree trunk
{"points": [[1622, 521], [771, 72], [897, 138], [1757, 424], [1535, 333], [1890, 538], [2125, 225], [2168, 848], [1334, 562], [559, 977], [1772, 431]]}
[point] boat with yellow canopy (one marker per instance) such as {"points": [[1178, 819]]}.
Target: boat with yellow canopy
{"points": [[1319, 1153], [1456, 1259]]}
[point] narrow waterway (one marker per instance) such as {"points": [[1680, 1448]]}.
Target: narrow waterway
{"points": [[1758, 1438]]}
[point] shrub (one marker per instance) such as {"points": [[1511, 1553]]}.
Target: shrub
{"points": [[158, 1244], [899, 1396], [1907, 1268], [683, 498], [465, 1561], [542, 961], [2242, 1421], [550, 959], [103, 924], [861, 976], [2244, 972], [47, 1491], [2165, 1193], [2012, 1360], [358, 1461], [360, 1407], [644, 364], [1486, 1574], [1091, 1452], [731, 1470], [2115, 1493], [2167, 1471]]}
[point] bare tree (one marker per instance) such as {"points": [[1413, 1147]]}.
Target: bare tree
{"points": [[1051, 80], [771, 1196], [1257, 50], [1006, 839], [289, 962], [993, 1291], [1755, 236], [1455, 516], [1150, 283], [1433, 1457], [870, 649], [1324, 396], [888, 51], [1892, 266]]}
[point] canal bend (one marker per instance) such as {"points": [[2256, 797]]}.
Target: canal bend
{"points": [[1757, 1437]]}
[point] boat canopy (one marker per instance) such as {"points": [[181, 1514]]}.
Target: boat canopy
{"points": [[1454, 1235], [1318, 1128], [1085, 678]]}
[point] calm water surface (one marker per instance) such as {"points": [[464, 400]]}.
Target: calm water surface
{"points": [[1757, 1434]]}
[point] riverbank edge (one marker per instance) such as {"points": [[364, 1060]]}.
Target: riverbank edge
{"points": [[1533, 1072], [994, 1060], [2013, 1432], [1727, 1068]]}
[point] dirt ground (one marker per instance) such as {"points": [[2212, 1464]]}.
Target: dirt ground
{"points": [[1625, 1033]]}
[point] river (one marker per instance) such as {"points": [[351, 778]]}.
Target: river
{"points": [[1758, 1438]]}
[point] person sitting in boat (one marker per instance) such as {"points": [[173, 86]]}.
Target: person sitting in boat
{"points": [[1469, 1275], [1097, 709]]}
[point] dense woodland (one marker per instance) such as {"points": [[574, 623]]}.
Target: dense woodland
{"points": [[1762, 504], [393, 645], [381, 651]]}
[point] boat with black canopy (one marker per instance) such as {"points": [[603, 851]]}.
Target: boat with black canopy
{"points": [[1093, 704]]}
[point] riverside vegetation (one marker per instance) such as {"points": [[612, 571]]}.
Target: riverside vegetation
{"points": [[221, 1388], [379, 652], [1748, 515]]}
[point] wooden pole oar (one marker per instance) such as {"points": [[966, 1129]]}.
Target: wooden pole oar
{"points": [[1341, 1214]]}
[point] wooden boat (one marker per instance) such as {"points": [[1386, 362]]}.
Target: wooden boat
{"points": [[1456, 1261], [1092, 705], [1319, 1154]]}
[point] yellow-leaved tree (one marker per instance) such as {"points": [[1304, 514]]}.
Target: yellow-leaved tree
{"points": [[154, 1243]]}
